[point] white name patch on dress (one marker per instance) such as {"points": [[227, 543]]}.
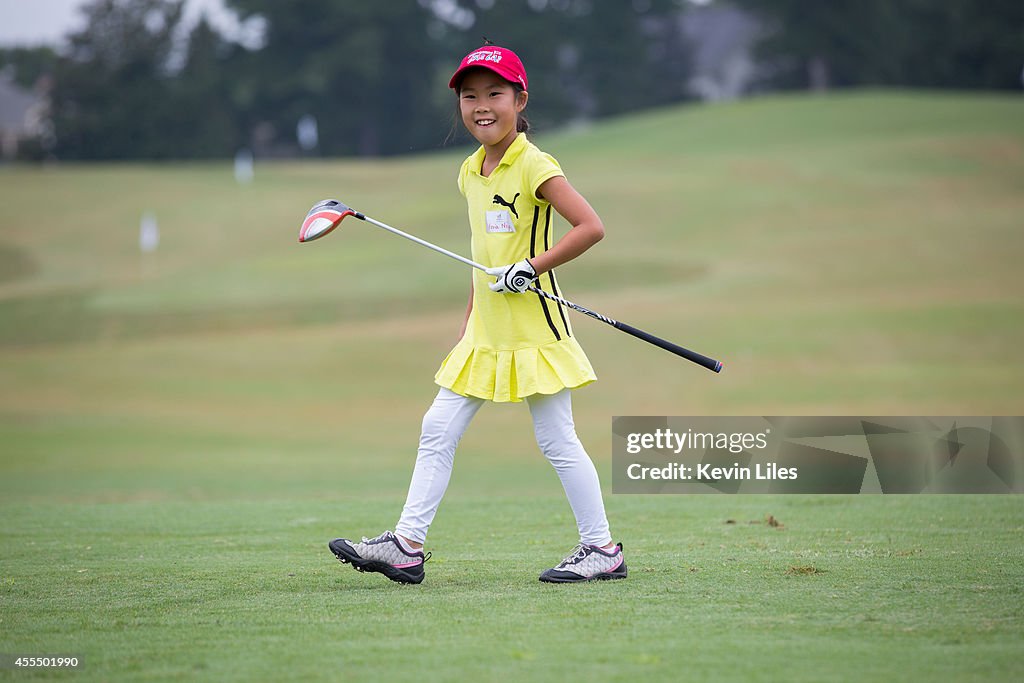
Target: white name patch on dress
{"points": [[500, 221]]}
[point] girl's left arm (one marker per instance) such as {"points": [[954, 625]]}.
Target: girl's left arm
{"points": [[587, 229]]}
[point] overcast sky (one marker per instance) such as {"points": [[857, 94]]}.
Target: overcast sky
{"points": [[38, 22]]}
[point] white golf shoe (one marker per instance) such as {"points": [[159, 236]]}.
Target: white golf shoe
{"points": [[588, 563], [383, 554]]}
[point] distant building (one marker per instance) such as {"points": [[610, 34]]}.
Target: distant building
{"points": [[723, 38], [24, 115]]}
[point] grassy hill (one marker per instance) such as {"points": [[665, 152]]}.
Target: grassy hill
{"points": [[220, 408]]}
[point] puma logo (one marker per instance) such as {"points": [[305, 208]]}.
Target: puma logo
{"points": [[511, 205]]}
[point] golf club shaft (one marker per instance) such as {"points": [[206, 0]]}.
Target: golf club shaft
{"points": [[417, 240], [693, 356]]}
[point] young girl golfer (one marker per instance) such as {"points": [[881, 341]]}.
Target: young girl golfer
{"points": [[515, 344]]}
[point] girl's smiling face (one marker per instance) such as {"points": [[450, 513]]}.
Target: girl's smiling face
{"points": [[489, 106]]}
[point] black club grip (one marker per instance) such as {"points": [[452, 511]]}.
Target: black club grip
{"points": [[700, 359]]}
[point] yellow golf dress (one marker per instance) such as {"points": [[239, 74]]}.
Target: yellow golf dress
{"points": [[515, 345]]}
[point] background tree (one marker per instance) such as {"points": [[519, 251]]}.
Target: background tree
{"points": [[374, 75], [933, 43], [965, 44], [137, 83], [111, 97], [586, 59], [26, 65], [208, 124], [364, 70]]}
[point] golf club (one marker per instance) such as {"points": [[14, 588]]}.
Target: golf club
{"points": [[326, 215]]}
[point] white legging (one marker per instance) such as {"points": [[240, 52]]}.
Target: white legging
{"points": [[445, 423]]}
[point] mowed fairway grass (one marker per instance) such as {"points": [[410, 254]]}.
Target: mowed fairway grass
{"points": [[182, 432]]}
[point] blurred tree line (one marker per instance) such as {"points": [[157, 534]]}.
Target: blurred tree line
{"points": [[962, 44], [135, 82]]}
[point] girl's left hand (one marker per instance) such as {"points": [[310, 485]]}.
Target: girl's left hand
{"points": [[514, 279]]}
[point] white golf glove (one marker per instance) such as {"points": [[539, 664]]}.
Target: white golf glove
{"points": [[515, 278]]}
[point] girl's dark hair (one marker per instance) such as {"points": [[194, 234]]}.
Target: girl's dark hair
{"points": [[522, 123]]}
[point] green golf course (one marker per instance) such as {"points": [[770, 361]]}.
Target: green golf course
{"points": [[183, 431]]}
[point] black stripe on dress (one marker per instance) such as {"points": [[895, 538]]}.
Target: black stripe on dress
{"points": [[551, 273], [533, 254]]}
